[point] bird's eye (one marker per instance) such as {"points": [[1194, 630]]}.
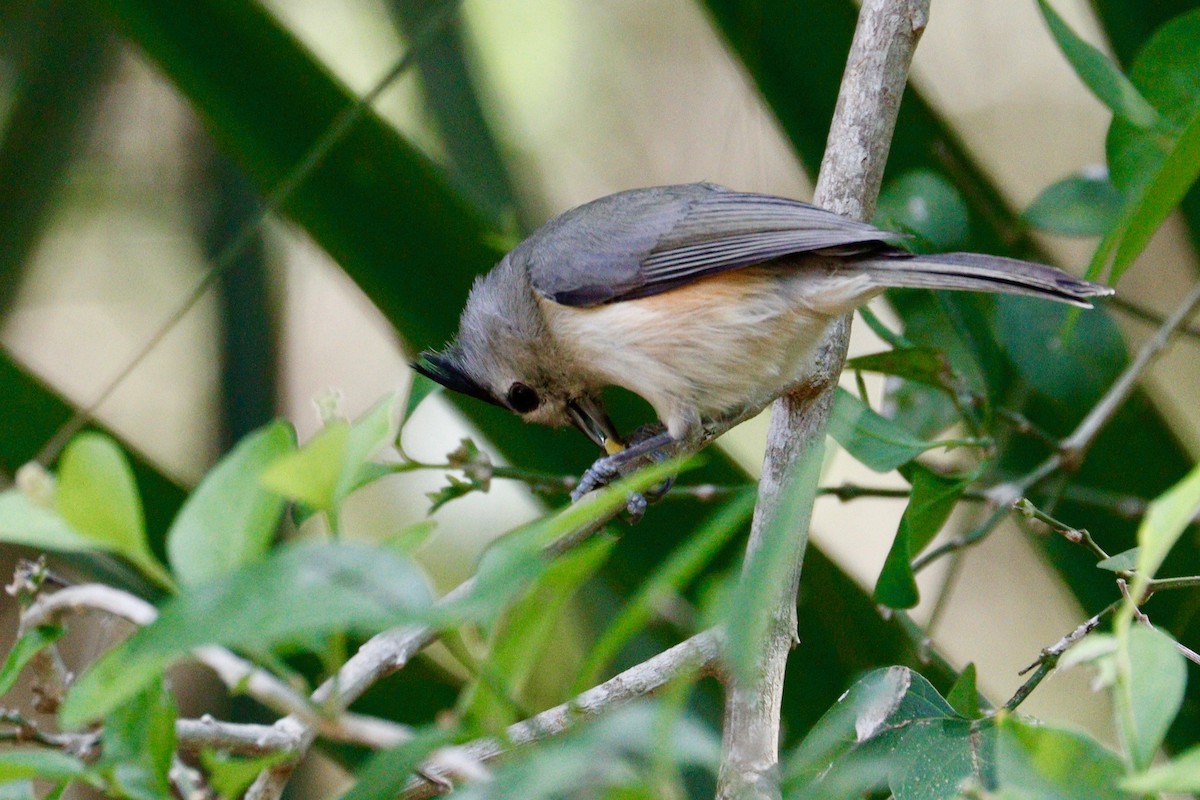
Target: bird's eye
{"points": [[522, 399]]}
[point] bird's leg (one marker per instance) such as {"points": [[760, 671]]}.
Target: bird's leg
{"points": [[608, 468]]}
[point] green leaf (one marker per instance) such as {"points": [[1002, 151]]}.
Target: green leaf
{"points": [[323, 472], [230, 776], [23, 651], [924, 203], [921, 364], [50, 765], [516, 559], [933, 499], [230, 519], [875, 441], [300, 593], [890, 730], [310, 475], [1167, 517], [24, 522], [139, 741], [1122, 562], [1081, 205], [385, 773], [421, 388], [1149, 692], [751, 608], [1180, 774], [1043, 763], [98, 497], [1100, 74], [1153, 169], [672, 576], [963, 695], [23, 790], [518, 643]]}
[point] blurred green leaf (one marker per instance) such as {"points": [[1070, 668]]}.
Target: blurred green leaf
{"points": [[23, 651], [873, 440], [518, 642], [1044, 763], [57, 61], [753, 607], [139, 742], [921, 364], [386, 772], [670, 577], [23, 521], [515, 560], [382, 209], [1180, 774], [98, 497], [230, 520], [230, 777], [323, 472], [1167, 517], [1074, 371], [51, 765], [419, 389], [1154, 169], [1081, 205], [1126, 561], [924, 203], [1151, 679], [1099, 74], [300, 593], [964, 695], [611, 753], [23, 790], [933, 499]]}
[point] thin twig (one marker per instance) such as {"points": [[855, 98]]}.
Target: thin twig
{"points": [[1048, 659], [696, 656], [1073, 535], [1143, 314], [850, 176]]}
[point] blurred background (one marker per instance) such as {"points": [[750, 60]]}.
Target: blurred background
{"points": [[120, 191]]}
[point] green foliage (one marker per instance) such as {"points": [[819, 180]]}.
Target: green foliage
{"points": [[1154, 167], [874, 440], [933, 497], [1100, 74], [925, 204], [23, 651], [1079, 205], [98, 497], [230, 519], [304, 591], [139, 742], [231, 777]]}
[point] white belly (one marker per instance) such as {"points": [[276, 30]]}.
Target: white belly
{"points": [[712, 347]]}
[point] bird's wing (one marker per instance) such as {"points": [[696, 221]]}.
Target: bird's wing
{"points": [[648, 241]]}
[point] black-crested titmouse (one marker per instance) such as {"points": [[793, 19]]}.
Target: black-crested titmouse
{"points": [[702, 300]]}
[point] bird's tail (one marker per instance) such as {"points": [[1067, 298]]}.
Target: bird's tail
{"points": [[980, 273]]}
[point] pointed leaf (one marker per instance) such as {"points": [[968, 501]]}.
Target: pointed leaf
{"points": [[98, 497], [139, 742], [1149, 692], [24, 522], [230, 519], [1099, 73], [48, 764], [874, 440], [1167, 517], [23, 651], [964, 695]]}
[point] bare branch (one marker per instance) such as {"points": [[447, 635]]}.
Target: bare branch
{"points": [[698, 655], [851, 174]]}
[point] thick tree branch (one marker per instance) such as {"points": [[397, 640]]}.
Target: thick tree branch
{"points": [[851, 174]]}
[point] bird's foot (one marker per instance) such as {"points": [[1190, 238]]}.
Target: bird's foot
{"points": [[647, 448]]}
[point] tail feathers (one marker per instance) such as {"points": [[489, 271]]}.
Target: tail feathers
{"points": [[981, 273]]}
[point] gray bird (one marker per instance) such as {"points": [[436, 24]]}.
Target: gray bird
{"points": [[702, 300]]}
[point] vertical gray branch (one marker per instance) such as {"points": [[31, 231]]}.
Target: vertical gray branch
{"points": [[851, 173]]}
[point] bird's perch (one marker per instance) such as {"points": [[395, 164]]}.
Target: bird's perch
{"points": [[851, 173]]}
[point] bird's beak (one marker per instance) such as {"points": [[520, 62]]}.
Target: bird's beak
{"points": [[589, 416]]}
